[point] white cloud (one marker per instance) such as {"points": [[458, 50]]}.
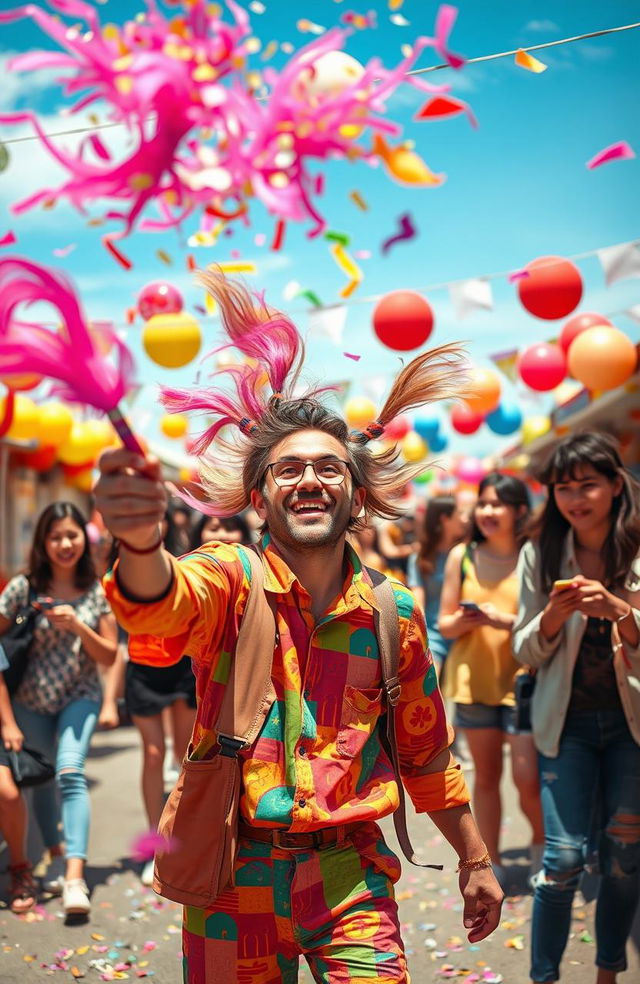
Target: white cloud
{"points": [[540, 26], [22, 89], [598, 53]]}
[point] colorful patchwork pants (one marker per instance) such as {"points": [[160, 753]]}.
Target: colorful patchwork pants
{"points": [[335, 906]]}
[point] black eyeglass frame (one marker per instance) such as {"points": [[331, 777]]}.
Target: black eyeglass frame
{"points": [[305, 465]]}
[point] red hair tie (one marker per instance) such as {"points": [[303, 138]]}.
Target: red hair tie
{"points": [[373, 430], [247, 425]]}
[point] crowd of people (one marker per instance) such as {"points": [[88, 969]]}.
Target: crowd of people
{"points": [[551, 594]]}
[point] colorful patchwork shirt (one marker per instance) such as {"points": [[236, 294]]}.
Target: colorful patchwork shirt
{"points": [[318, 760]]}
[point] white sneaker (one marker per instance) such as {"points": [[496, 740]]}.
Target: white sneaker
{"points": [[75, 896], [147, 873], [53, 878]]}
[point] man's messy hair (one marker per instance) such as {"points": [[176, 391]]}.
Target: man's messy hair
{"points": [[262, 407]]}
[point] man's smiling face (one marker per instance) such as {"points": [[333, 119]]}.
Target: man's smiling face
{"points": [[311, 512]]}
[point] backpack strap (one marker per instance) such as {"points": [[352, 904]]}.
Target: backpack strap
{"points": [[249, 692], [387, 628], [466, 562]]}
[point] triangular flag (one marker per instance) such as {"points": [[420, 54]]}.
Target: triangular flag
{"points": [[507, 363], [619, 262], [468, 295], [442, 107], [525, 60], [328, 323]]}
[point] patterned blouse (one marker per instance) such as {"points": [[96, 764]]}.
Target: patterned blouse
{"points": [[58, 670], [318, 759]]}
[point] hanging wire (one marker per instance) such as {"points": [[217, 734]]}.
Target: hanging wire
{"points": [[415, 71]]}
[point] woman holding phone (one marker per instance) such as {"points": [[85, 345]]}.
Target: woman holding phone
{"points": [[579, 624], [57, 702], [477, 611]]}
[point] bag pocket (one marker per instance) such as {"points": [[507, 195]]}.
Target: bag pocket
{"points": [[360, 712], [200, 823]]}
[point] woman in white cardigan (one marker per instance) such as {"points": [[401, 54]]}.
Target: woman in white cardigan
{"points": [[578, 625]]}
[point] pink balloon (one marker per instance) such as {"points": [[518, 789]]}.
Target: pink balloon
{"points": [[576, 325], [397, 428], [543, 366], [470, 470], [159, 297]]}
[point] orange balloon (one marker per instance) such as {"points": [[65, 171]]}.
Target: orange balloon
{"points": [[483, 392], [602, 358], [21, 382]]}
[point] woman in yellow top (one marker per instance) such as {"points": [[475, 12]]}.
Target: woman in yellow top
{"points": [[478, 609]]}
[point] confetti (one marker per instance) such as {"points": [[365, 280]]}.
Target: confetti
{"points": [[63, 251], [145, 845], [278, 236], [256, 7], [312, 297], [117, 255], [8, 239], [517, 275], [350, 287], [404, 164], [348, 266], [359, 21], [4, 158], [338, 237], [620, 151], [362, 254], [524, 60], [269, 51], [407, 231], [164, 257], [352, 355], [358, 200], [399, 20], [442, 107], [515, 943], [306, 26], [241, 267]]}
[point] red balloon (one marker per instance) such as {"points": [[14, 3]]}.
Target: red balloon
{"points": [[41, 460], [464, 420], [403, 320], [397, 428], [542, 367], [552, 289], [159, 297], [579, 323]]}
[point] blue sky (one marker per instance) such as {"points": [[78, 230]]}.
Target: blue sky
{"points": [[516, 188]]}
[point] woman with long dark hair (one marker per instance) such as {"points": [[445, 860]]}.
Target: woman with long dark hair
{"points": [[57, 703], [579, 624], [477, 610], [445, 524]]}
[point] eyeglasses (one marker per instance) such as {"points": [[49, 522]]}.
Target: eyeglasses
{"points": [[289, 471]]}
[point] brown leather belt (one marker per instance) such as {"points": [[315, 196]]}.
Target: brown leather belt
{"points": [[309, 840]]}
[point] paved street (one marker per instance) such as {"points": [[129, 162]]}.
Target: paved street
{"points": [[132, 934]]}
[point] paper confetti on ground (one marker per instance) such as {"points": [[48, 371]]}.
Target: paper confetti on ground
{"points": [[621, 151], [524, 60]]}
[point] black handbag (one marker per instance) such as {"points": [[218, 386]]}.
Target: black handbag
{"points": [[524, 686], [16, 642], [30, 767]]}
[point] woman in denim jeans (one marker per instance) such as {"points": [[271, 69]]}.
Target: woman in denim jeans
{"points": [[579, 624]]}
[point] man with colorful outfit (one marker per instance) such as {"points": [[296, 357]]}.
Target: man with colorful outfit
{"points": [[313, 875]]}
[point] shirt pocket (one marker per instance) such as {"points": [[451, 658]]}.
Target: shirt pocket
{"points": [[360, 712]]}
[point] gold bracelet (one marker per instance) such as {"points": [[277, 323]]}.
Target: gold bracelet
{"points": [[475, 864]]}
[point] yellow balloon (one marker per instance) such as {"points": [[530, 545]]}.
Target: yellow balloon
{"points": [[85, 442], [413, 447], [83, 481], [172, 340], [55, 421], [174, 425], [535, 427], [26, 414], [360, 411], [186, 475]]}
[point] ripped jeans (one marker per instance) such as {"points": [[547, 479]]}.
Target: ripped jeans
{"points": [[596, 776]]}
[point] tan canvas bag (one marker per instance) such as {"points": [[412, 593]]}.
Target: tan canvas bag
{"points": [[200, 817], [201, 813]]}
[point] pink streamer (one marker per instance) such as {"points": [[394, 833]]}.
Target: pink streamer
{"points": [[621, 151], [70, 356], [170, 84], [8, 239]]}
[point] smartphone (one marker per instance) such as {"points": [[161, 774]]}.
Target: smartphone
{"points": [[469, 606], [563, 584]]}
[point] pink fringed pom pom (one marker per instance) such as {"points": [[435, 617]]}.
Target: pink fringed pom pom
{"points": [[170, 82], [145, 845]]}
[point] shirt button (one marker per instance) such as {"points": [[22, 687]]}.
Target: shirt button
{"points": [[302, 803], [307, 694], [302, 750]]}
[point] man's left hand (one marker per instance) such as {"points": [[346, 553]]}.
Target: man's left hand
{"points": [[482, 898]]}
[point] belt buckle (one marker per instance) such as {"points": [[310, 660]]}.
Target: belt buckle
{"points": [[280, 836]]}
